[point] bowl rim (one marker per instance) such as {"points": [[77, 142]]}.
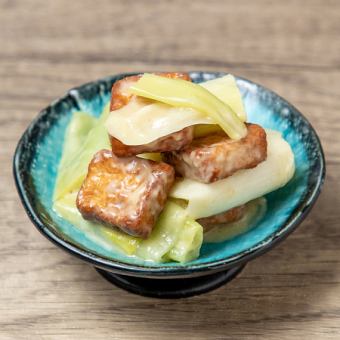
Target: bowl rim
{"points": [[179, 270]]}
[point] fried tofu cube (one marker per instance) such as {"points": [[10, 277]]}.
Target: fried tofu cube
{"points": [[127, 193], [229, 216], [214, 157], [120, 96]]}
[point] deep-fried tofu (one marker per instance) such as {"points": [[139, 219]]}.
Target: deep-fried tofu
{"points": [[214, 157], [128, 193], [120, 96], [228, 216]]}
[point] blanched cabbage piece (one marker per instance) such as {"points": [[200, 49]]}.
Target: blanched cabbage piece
{"points": [[175, 237], [73, 167], [181, 93], [226, 89], [209, 199], [202, 130], [164, 234], [77, 130], [141, 121], [153, 156], [188, 244]]}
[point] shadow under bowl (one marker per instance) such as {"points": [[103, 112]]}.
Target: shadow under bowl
{"points": [[35, 167]]}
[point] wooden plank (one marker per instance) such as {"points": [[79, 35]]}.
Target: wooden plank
{"points": [[219, 32]]}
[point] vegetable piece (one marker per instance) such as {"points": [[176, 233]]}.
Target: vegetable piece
{"points": [[153, 156], [142, 122], [104, 114], [175, 237], [202, 130], [80, 125], [181, 93], [226, 89], [245, 185], [107, 237], [188, 244], [72, 173], [164, 234]]}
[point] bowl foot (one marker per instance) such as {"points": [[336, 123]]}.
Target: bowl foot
{"points": [[171, 288]]}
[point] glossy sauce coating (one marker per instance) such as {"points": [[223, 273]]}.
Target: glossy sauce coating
{"points": [[214, 157], [128, 193]]}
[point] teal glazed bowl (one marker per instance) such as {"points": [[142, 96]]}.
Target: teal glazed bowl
{"points": [[35, 167]]}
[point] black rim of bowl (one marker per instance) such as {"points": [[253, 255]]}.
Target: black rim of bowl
{"points": [[189, 270]]}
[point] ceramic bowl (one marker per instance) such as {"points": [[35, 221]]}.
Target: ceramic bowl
{"points": [[35, 167]]}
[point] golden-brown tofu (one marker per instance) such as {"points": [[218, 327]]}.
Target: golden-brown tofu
{"points": [[128, 193], [214, 157], [228, 216], [120, 96]]}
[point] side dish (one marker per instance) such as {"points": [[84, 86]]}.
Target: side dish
{"points": [[168, 165]]}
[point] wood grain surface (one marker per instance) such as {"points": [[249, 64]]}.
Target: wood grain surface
{"points": [[292, 47]]}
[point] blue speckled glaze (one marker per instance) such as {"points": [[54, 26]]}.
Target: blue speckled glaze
{"points": [[39, 152]]}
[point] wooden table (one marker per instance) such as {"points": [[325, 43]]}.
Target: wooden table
{"points": [[292, 47]]}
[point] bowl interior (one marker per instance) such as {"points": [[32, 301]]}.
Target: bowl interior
{"points": [[40, 149]]}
